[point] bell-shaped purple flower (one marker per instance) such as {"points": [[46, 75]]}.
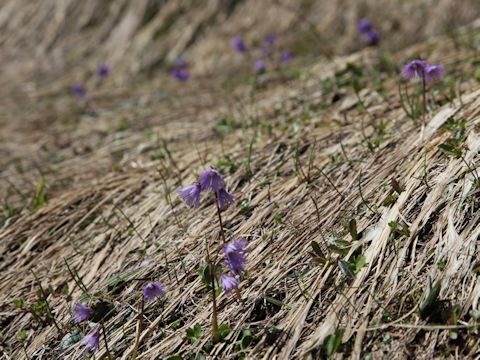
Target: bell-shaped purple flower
{"points": [[81, 312], [260, 66], [78, 90], [364, 26], [180, 74], [224, 199], [373, 37], [415, 69], [286, 57], [235, 256], [103, 71], [239, 45], [211, 180], [228, 283], [92, 340], [191, 195], [434, 72], [152, 290], [271, 39]]}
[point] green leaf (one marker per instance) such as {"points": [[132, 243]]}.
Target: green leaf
{"points": [[274, 301], [332, 342], [345, 269], [22, 335], [430, 301], [18, 303], [194, 333], [316, 248], [224, 330], [40, 197], [175, 357]]}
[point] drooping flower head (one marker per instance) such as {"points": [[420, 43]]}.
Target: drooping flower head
{"points": [[373, 37], [152, 290], [191, 195], [239, 45], [235, 256], [81, 312], [180, 74], [92, 340], [271, 39], [415, 69], [434, 72], [286, 57], [103, 71], [224, 199], [260, 66], [228, 283], [364, 26], [180, 70], [78, 90], [211, 180]]}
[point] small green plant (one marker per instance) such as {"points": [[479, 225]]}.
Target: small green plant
{"points": [[194, 333]]}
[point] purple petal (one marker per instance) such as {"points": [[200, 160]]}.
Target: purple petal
{"points": [[415, 69], [211, 180], [191, 195], [81, 312], [152, 290], [434, 72], [92, 340], [224, 199], [228, 283]]}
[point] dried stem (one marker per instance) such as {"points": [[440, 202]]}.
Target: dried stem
{"points": [[139, 329]]}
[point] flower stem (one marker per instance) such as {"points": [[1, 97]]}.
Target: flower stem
{"points": [[215, 331], [139, 329], [102, 324], [424, 100], [222, 233]]}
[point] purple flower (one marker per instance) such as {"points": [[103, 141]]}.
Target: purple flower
{"points": [[180, 74], [286, 57], [364, 26], [415, 69], [92, 340], [260, 66], [224, 199], [228, 283], [235, 256], [191, 195], [81, 312], [103, 71], [271, 39], [78, 90], [434, 72], [211, 180], [373, 37], [152, 290], [239, 45]]}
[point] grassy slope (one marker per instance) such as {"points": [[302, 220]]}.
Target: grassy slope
{"points": [[296, 157]]}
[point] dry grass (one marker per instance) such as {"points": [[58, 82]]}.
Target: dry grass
{"points": [[297, 160]]}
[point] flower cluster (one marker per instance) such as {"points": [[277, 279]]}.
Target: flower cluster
{"points": [[210, 180], [267, 49], [420, 69], [180, 70], [235, 261], [366, 29]]}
